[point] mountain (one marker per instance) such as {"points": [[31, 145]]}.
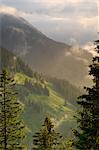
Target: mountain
{"points": [[42, 96], [42, 53]]}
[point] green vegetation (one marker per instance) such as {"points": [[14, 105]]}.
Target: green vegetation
{"points": [[37, 106], [40, 97], [65, 89], [87, 137], [13, 63], [44, 96], [46, 138], [12, 128]]}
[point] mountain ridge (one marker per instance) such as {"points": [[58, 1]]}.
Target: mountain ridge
{"points": [[42, 53]]}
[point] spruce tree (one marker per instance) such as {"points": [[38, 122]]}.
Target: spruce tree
{"points": [[46, 138], [87, 136], [12, 129]]}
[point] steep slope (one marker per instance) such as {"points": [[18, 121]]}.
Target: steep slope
{"points": [[41, 52], [41, 97], [22, 38], [38, 106]]}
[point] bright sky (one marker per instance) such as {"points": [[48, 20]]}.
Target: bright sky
{"points": [[63, 20]]}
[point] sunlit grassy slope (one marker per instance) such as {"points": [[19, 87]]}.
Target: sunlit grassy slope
{"points": [[37, 107]]}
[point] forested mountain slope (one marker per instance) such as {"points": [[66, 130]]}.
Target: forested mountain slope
{"points": [[41, 96]]}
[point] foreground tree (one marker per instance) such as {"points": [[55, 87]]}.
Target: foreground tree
{"points": [[66, 144], [46, 138], [87, 136], [12, 129]]}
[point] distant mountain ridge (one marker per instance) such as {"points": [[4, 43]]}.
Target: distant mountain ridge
{"points": [[42, 53]]}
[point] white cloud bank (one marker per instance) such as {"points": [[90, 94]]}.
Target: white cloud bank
{"points": [[9, 10]]}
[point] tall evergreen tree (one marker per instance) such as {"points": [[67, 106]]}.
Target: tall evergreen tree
{"points": [[87, 136], [12, 129], [46, 138]]}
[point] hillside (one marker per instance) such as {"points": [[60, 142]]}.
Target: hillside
{"points": [[42, 53], [42, 96], [37, 106]]}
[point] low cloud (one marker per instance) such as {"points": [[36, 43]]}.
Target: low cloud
{"points": [[9, 10], [90, 47]]}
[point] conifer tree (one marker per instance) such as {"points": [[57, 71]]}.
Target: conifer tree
{"points": [[87, 136], [46, 138], [66, 144], [12, 129]]}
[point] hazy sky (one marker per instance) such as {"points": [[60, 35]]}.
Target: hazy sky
{"points": [[73, 21]]}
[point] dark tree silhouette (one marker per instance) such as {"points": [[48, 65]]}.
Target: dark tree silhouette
{"points": [[87, 136], [12, 129]]}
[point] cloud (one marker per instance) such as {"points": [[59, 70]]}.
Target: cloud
{"points": [[56, 7], [9, 10], [90, 47], [59, 19]]}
